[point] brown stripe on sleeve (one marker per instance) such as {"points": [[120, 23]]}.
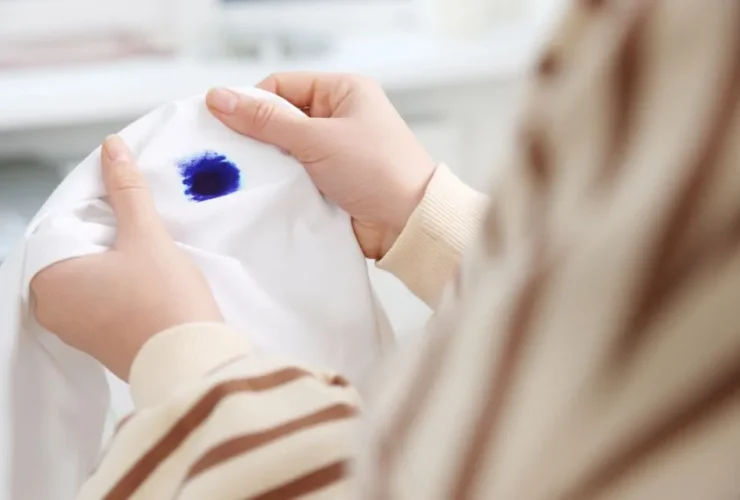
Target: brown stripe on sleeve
{"points": [[655, 290], [549, 65], [540, 166], [310, 483], [245, 444], [539, 159], [499, 381], [189, 422], [492, 237], [593, 4], [335, 379], [650, 439], [339, 381], [627, 73], [712, 251]]}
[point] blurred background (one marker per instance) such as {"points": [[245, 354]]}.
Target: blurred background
{"points": [[74, 71]]}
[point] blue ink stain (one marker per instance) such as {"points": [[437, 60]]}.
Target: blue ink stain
{"points": [[209, 175]]}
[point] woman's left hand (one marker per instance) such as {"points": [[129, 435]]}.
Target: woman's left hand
{"points": [[108, 305]]}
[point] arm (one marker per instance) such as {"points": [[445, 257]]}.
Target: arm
{"points": [[593, 352], [427, 253], [216, 419]]}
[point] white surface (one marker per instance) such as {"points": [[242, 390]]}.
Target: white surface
{"points": [[269, 18], [262, 249], [40, 19], [124, 90], [467, 18]]}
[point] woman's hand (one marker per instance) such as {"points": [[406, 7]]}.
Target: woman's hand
{"points": [[354, 145], [110, 304]]}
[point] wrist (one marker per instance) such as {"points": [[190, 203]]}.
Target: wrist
{"points": [[119, 358], [443, 225], [404, 202]]}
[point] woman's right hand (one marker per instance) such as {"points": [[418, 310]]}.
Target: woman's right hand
{"points": [[353, 143]]}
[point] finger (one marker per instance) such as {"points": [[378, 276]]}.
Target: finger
{"points": [[260, 119], [129, 195], [299, 88], [320, 93]]}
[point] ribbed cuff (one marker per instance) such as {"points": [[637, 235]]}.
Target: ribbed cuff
{"points": [[182, 355], [427, 253]]}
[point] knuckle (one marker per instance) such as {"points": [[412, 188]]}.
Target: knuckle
{"points": [[271, 81], [127, 180], [349, 82], [356, 83], [360, 80], [263, 113]]}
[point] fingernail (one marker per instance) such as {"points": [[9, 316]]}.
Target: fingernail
{"points": [[116, 149], [222, 100]]}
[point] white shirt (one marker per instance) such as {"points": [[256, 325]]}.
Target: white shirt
{"points": [[254, 223]]}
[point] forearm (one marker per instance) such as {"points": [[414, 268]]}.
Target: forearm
{"points": [[215, 418], [427, 253]]}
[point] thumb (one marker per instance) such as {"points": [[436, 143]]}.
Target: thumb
{"points": [[129, 195], [260, 119]]}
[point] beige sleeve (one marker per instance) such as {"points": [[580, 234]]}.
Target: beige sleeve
{"points": [[216, 419], [593, 352], [427, 253]]}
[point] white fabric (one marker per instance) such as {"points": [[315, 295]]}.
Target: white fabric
{"points": [[283, 263]]}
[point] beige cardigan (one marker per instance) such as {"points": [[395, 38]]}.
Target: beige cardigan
{"points": [[588, 350]]}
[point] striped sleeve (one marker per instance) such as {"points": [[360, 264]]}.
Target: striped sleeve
{"points": [[215, 419], [593, 349]]}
